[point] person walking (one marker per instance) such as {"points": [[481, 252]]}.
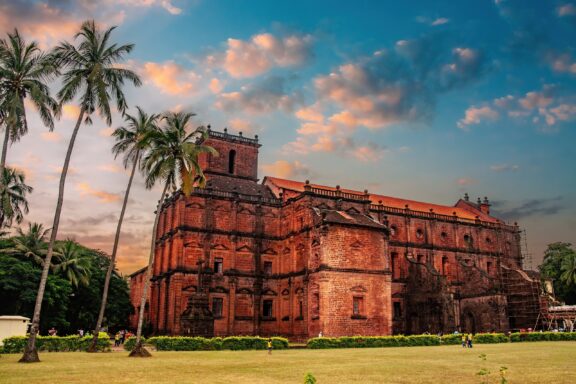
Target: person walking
{"points": [[117, 339], [464, 342], [269, 346], [469, 340]]}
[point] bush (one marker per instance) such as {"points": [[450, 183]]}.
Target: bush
{"points": [[242, 343], [543, 336], [309, 379], [372, 341], [183, 343], [165, 343], [16, 344], [452, 339], [130, 342], [490, 338]]}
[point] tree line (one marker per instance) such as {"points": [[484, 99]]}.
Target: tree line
{"points": [[161, 146]]}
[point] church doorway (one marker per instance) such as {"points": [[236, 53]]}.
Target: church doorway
{"points": [[468, 323]]}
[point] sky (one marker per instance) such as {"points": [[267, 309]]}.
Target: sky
{"points": [[415, 99]]}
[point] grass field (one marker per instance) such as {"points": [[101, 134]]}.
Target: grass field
{"points": [[539, 362]]}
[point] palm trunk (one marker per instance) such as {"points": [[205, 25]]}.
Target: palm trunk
{"points": [[30, 352], [112, 260], [139, 350], [4, 150]]}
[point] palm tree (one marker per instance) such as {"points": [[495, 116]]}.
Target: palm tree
{"points": [[13, 191], [73, 261], [30, 244], [568, 276], [24, 71], [92, 72], [131, 140], [173, 160]]}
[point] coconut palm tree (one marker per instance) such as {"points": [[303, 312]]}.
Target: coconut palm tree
{"points": [[31, 244], [92, 73], [24, 72], [13, 191], [568, 276], [73, 261], [131, 141], [173, 160]]}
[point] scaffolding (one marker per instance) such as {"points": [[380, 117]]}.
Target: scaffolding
{"points": [[524, 251], [526, 305], [564, 315]]}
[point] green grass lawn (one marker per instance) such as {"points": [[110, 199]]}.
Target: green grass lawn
{"points": [[538, 362]]}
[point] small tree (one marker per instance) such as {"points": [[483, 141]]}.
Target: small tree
{"points": [[309, 379]]}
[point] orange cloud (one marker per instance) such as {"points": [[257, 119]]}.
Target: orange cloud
{"points": [[171, 78], [106, 132], [243, 126], [216, 85], [286, 169], [54, 137], [112, 168], [70, 112], [103, 196], [474, 115], [264, 51]]}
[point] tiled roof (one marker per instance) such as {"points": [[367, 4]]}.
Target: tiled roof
{"points": [[464, 209], [347, 218]]}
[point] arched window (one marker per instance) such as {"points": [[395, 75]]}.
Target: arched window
{"points": [[445, 266], [231, 161]]}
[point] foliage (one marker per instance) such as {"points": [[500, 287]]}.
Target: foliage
{"points": [[234, 343], [559, 265], [13, 191], [16, 344], [490, 338], [24, 71], [452, 339], [309, 379], [66, 307], [130, 343], [73, 261], [542, 336], [372, 341]]}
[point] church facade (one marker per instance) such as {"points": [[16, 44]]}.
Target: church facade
{"points": [[291, 258]]}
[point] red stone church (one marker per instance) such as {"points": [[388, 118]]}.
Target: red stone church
{"points": [[293, 258]]}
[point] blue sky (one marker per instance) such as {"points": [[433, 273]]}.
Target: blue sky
{"points": [[416, 99]]}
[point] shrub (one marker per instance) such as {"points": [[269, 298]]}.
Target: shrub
{"points": [[490, 338], [309, 379], [372, 341], [16, 344], [452, 339], [166, 343], [130, 343], [242, 343], [543, 336]]}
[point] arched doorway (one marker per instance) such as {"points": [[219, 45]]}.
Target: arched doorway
{"points": [[468, 323]]}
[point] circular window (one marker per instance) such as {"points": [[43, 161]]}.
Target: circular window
{"points": [[468, 239], [419, 233], [444, 236], [488, 240]]}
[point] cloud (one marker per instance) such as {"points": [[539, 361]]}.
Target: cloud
{"points": [[440, 21], [106, 132], [368, 153], [89, 221], [265, 96], [103, 196], [286, 169], [111, 168], [171, 78], [547, 108], [53, 137], [399, 85], [263, 52], [533, 207], [567, 10], [474, 115], [70, 112], [244, 126], [216, 85], [464, 181], [504, 167]]}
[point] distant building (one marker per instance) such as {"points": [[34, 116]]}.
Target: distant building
{"points": [[293, 258]]}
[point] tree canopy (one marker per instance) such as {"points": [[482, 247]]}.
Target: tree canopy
{"points": [[559, 265]]}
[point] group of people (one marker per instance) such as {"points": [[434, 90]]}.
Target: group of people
{"points": [[121, 336], [467, 340]]}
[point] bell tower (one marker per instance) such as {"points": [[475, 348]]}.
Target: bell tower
{"points": [[237, 156]]}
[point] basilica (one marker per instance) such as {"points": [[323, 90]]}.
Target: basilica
{"points": [[294, 258]]}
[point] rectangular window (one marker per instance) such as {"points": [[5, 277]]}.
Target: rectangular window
{"points": [[301, 309], [267, 267], [489, 267], [217, 304], [218, 265], [357, 304], [395, 266], [397, 310], [420, 258], [267, 308]]}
